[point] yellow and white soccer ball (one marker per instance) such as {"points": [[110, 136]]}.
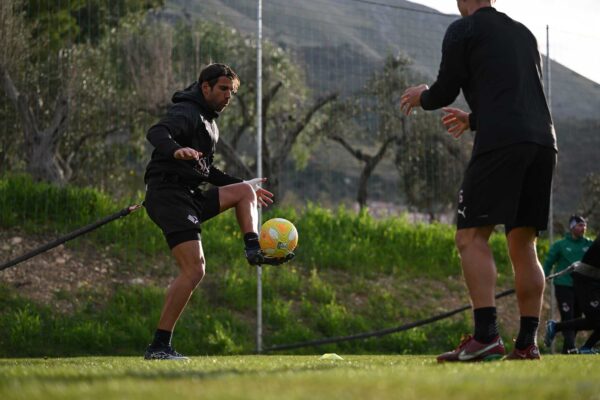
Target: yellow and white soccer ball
{"points": [[278, 237]]}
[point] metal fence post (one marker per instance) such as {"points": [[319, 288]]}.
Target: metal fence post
{"points": [[547, 74], [259, 134]]}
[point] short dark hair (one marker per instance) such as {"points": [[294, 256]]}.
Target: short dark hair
{"points": [[213, 72], [576, 219]]}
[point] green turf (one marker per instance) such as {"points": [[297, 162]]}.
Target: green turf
{"points": [[299, 377]]}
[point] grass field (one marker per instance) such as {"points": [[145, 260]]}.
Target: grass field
{"points": [[299, 377]]}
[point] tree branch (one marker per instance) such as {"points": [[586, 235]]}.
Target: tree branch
{"points": [[384, 146], [57, 126], [292, 135], [355, 152], [233, 159]]}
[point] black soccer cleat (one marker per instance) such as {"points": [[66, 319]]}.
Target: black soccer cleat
{"points": [[257, 257], [163, 353]]}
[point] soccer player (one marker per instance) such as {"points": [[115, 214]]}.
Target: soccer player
{"points": [[586, 281], [496, 63], [184, 145], [562, 254]]}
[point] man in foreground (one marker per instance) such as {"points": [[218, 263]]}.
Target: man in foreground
{"points": [[184, 142], [496, 63]]}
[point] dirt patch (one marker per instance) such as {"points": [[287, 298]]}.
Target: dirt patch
{"points": [[56, 276]]}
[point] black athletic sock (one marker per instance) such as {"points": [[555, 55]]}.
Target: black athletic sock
{"points": [[251, 240], [527, 332], [486, 328], [162, 338]]}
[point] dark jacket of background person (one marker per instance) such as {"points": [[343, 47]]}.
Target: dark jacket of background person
{"points": [[591, 259], [563, 253], [496, 62], [188, 123]]}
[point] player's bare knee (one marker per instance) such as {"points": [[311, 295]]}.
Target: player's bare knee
{"points": [[193, 271], [249, 190], [195, 275], [522, 252], [463, 239]]}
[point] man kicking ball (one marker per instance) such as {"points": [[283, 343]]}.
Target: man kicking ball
{"points": [[184, 145]]}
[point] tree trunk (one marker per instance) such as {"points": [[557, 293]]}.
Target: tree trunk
{"points": [[361, 196], [41, 146], [370, 164], [43, 164]]}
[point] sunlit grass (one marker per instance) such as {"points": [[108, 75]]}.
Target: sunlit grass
{"points": [[299, 377]]}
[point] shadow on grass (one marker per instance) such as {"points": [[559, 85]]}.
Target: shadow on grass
{"points": [[151, 370]]}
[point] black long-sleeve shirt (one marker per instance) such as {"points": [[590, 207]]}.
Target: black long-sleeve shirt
{"points": [[188, 123], [496, 63]]}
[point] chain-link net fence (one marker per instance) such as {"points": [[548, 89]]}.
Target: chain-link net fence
{"points": [[96, 74], [83, 81]]}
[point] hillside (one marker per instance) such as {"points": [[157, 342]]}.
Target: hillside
{"points": [[71, 279], [341, 42], [347, 38]]}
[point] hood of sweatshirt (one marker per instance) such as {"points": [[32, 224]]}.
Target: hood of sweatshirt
{"points": [[193, 94]]}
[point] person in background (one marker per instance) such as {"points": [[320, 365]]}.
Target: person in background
{"points": [[562, 254], [586, 282]]}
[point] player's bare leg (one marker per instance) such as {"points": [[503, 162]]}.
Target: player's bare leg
{"points": [[478, 265], [529, 276], [190, 259], [479, 271], [243, 197], [529, 285]]}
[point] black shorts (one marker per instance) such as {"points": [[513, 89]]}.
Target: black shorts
{"points": [[178, 211], [509, 186]]}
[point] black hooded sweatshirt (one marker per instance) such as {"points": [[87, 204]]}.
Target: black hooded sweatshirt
{"points": [[188, 123]]}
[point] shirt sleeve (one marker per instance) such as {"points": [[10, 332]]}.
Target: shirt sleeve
{"points": [[219, 178], [473, 122], [163, 135], [453, 69]]}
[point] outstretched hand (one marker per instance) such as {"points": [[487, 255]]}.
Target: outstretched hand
{"points": [[264, 197], [412, 98], [456, 121]]}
